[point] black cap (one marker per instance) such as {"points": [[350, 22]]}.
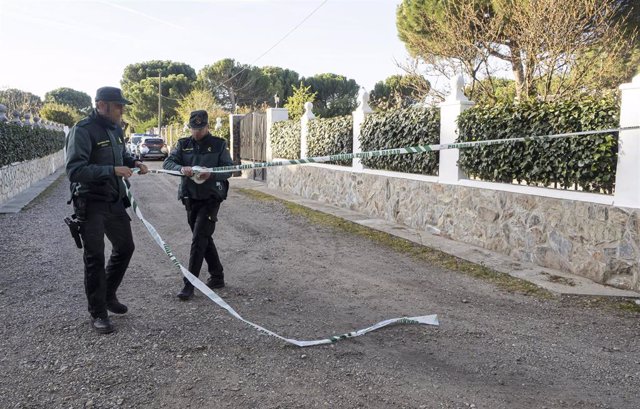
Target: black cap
{"points": [[111, 94], [198, 119]]}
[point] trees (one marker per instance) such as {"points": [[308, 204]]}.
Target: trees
{"points": [[552, 48], [398, 91], [335, 94], [60, 113], [234, 84], [134, 73], [68, 96], [281, 82], [140, 85], [200, 99], [18, 100]]}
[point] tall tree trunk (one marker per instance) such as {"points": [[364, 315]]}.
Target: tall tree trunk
{"points": [[518, 73], [232, 99]]}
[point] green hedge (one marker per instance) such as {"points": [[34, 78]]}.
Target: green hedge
{"points": [[331, 136], [20, 143], [402, 128], [587, 162], [285, 140]]}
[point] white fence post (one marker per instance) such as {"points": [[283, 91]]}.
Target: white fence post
{"points": [[627, 192], [359, 115], [450, 109], [274, 115], [304, 129]]}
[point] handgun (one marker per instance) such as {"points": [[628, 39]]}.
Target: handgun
{"points": [[74, 228]]}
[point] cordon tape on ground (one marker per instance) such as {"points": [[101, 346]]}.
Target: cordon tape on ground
{"points": [[426, 319]]}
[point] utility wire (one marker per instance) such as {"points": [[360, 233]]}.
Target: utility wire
{"points": [[278, 42]]}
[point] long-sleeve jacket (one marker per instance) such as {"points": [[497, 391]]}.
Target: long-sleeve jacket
{"points": [[209, 152], [94, 147]]}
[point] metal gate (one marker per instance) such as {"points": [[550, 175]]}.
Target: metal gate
{"points": [[253, 141]]}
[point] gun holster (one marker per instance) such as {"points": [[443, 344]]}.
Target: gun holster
{"points": [[74, 228]]}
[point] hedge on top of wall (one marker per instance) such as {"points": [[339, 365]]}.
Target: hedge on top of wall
{"points": [[285, 139], [402, 128], [584, 162], [331, 136], [21, 143]]}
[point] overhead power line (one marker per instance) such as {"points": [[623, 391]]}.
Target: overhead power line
{"points": [[279, 41]]}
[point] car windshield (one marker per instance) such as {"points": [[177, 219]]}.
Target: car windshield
{"points": [[153, 140], [136, 139]]}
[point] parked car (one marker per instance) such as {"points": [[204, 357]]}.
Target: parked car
{"points": [[132, 145], [152, 147]]}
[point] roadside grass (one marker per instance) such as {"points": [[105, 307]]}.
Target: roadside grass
{"points": [[617, 305], [422, 253]]}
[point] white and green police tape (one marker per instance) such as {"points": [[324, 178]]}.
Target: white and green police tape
{"points": [[426, 319], [388, 152]]}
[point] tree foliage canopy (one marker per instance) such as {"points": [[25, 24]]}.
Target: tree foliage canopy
{"points": [[60, 113], [134, 73], [234, 84], [281, 82], [18, 100], [335, 94], [200, 99], [554, 49], [399, 91], [68, 96], [140, 85]]}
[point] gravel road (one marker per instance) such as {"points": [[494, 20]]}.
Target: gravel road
{"points": [[494, 349]]}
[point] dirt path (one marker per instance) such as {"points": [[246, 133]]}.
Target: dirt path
{"points": [[493, 349]]}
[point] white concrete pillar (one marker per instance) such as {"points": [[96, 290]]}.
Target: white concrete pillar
{"points": [[274, 115], [627, 192], [450, 109], [359, 115], [304, 128]]}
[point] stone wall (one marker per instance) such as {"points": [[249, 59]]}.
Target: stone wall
{"points": [[598, 241], [18, 176]]}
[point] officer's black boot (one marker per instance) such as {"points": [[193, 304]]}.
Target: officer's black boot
{"points": [[102, 325], [186, 292], [215, 282], [116, 306]]}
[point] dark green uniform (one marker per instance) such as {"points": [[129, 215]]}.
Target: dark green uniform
{"points": [[202, 201], [94, 147]]}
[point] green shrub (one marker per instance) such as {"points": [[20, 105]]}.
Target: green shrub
{"points": [[402, 128], [285, 139], [331, 136], [586, 162], [21, 143]]}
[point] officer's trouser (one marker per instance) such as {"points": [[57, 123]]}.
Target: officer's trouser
{"points": [[202, 216], [101, 284]]}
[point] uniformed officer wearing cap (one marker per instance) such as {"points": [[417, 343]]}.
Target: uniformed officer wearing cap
{"points": [[201, 197], [96, 164]]}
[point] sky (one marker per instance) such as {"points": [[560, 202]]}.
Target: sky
{"points": [[86, 44]]}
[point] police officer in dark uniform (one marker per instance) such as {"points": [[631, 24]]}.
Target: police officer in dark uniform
{"points": [[202, 196], [96, 163]]}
